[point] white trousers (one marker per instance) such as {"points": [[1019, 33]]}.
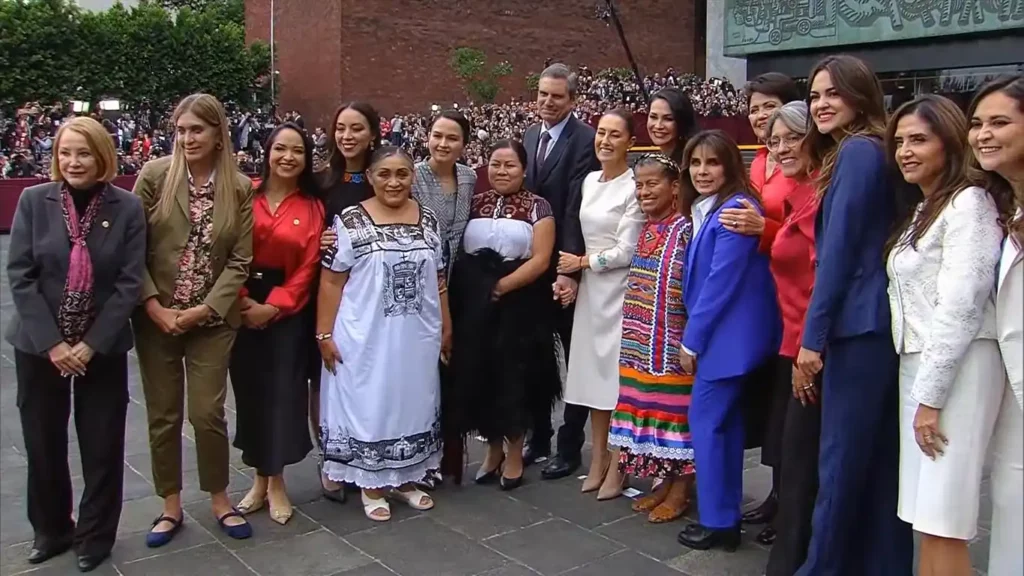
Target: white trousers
{"points": [[1006, 555]]}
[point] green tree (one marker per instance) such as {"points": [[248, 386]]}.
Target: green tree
{"points": [[532, 81], [480, 81], [50, 50]]}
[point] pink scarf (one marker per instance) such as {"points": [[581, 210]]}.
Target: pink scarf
{"points": [[76, 307]]}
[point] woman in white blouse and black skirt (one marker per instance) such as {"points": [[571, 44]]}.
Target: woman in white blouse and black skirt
{"points": [[942, 265], [503, 363]]}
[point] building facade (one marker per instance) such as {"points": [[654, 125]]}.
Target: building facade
{"points": [[395, 53], [915, 46]]}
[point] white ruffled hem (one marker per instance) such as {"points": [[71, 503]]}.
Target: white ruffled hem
{"points": [[649, 449], [387, 478]]}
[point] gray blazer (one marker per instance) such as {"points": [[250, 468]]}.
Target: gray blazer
{"points": [[37, 268]]}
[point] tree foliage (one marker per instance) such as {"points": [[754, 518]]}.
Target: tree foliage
{"points": [[481, 82], [51, 50]]}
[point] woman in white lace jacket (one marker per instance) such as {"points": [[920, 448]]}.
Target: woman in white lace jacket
{"points": [[942, 266]]}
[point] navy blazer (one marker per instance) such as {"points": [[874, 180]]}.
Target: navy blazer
{"points": [[560, 181], [733, 323], [853, 224], [37, 267]]}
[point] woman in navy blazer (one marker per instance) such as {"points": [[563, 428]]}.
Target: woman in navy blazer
{"points": [[733, 326], [847, 332], [77, 252]]}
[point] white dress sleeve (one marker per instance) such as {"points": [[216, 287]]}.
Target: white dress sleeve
{"points": [[621, 255], [340, 257], [967, 274]]}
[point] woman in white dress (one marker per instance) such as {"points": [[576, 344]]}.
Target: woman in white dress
{"points": [[379, 418], [997, 139], [941, 267], [611, 219]]}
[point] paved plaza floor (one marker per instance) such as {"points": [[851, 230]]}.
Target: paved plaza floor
{"points": [[542, 528]]}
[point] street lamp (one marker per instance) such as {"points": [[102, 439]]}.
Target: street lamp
{"points": [[273, 63]]}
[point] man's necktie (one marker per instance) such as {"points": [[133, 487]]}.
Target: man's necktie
{"points": [[542, 151]]}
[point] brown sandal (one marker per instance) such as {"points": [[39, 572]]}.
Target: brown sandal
{"points": [[652, 500], [673, 506]]}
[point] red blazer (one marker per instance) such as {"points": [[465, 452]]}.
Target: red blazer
{"points": [[792, 261], [773, 192]]}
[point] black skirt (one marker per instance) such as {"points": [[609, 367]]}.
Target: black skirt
{"points": [[269, 372], [504, 367]]}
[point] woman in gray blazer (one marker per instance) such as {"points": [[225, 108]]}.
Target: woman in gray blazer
{"points": [[77, 253]]}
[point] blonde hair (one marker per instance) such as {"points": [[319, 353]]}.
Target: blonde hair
{"points": [[100, 144], [210, 111]]}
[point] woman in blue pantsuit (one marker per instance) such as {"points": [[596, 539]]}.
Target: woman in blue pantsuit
{"points": [[855, 529], [733, 326]]}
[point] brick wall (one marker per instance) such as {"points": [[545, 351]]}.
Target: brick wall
{"points": [[394, 53]]}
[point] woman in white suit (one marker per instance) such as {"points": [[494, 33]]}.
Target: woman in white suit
{"points": [[997, 139], [611, 219], [942, 266]]}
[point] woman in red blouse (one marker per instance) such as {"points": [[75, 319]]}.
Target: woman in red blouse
{"points": [[270, 357], [765, 94], [796, 416]]}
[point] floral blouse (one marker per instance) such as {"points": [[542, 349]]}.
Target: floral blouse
{"points": [[195, 276]]}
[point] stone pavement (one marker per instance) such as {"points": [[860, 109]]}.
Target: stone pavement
{"points": [[542, 528]]}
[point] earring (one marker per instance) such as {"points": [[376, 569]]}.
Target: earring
{"points": [[220, 146]]}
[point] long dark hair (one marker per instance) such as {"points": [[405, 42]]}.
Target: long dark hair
{"points": [[860, 89], [736, 180], [683, 115], [948, 123], [307, 180], [334, 172], [998, 186]]}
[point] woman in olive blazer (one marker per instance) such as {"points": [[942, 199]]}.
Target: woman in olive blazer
{"points": [[75, 267], [199, 210]]}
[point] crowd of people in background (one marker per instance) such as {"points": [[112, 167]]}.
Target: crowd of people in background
{"points": [[26, 140]]}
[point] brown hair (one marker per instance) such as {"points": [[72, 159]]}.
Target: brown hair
{"points": [[99, 142], [860, 89], [210, 111], [998, 186], [728, 153], [948, 123]]}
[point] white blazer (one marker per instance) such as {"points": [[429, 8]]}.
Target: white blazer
{"points": [[1010, 314], [941, 293]]}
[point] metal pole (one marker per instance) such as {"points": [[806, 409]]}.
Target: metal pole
{"points": [[629, 53], [273, 63]]}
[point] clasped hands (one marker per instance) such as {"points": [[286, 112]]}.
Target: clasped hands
{"points": [[257, 316], [176, 322], [564, 290]]}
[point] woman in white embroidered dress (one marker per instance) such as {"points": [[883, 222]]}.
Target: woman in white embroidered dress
{"points": [[380, 392], [941, 266], [611, 219]]}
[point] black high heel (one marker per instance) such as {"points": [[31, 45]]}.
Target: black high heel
{"points": [[507, 484], [491, 476]]}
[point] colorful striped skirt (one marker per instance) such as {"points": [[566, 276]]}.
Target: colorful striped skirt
{"points": [[651, 425]]}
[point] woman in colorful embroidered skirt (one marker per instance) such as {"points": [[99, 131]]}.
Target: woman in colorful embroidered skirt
{"points": [[650, 424], [379, 419]]}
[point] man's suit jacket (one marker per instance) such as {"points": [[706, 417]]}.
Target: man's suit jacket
{"points": [[232, 245], [560, 180], [733, 322], [854, 220], [37, 268], [1010, 315]]}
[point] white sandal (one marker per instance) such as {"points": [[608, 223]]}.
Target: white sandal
{"points": [[414, 498], [371, 505]]}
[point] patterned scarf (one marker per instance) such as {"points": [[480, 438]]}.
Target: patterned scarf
{"points": [[76, 306]]}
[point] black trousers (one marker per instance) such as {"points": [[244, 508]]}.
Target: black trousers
{"points": [[797, 466], [571, 434], [100, 404]]}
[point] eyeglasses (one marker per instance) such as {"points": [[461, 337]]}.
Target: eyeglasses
{"points": [[791, 141]]}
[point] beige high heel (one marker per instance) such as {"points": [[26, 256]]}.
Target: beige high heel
{"points": [[590, 485]]}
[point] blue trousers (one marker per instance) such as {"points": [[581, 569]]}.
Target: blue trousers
{"points": [[716, 429], [854, 529]]}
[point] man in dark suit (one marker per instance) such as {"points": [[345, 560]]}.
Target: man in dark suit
{"points": [[560, 152]]}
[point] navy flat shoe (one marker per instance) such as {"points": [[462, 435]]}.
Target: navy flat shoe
{"points": [[158, 539], [239, 532]]}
